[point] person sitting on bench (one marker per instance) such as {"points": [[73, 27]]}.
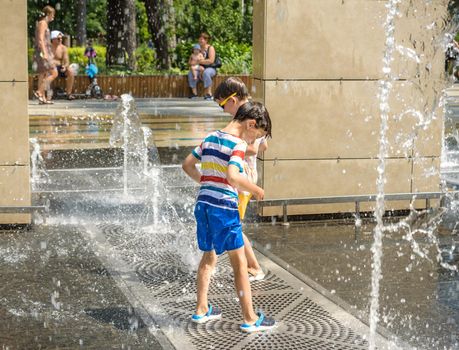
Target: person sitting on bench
{"points": [[61, 60]]}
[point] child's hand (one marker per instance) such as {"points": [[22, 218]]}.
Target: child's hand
{"points": [[259, 194]]}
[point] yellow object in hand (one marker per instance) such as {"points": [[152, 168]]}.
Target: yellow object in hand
{"points": [[244, 198]]}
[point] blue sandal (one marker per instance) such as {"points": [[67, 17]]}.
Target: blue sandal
{"points": [[262, 324], [211, 314]]}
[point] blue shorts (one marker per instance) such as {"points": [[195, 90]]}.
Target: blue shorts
{"points": [[217, 229]]}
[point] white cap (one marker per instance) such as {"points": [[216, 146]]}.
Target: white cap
{"points": [[55, 34]]}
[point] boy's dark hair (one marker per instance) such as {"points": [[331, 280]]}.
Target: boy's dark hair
{"points": [[257, 112], [230, 86]]}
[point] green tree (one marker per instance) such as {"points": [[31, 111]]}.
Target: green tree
{"points": [[65, 20], [96, 24], [143, 34], [229, 22], [66, 16], [121, 33], [161, 25], [81, 14], [224, 20]]}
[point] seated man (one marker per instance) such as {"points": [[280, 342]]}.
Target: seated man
{"points": [[61, 59]]}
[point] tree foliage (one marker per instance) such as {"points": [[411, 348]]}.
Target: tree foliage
{"points": [[161, 25], [66, 17], [121, 33], [229, 22], [224, 20]]}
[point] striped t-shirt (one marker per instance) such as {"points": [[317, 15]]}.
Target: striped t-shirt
{"points": [[218, 150]]}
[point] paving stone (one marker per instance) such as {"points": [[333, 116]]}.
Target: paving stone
{"points": [[61, 297]]}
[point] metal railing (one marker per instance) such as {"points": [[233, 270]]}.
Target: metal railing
{"points": [[357, 199], [30, 209], [27, 209]]}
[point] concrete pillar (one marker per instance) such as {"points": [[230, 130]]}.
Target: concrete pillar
{"points": [[317, 66], [14, 122]]}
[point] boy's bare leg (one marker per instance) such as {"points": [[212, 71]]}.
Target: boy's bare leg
{"points": [[195, 73], [206, 266], [241, 281], [252, 263]]}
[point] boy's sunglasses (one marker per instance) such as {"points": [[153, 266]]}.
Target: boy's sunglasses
{"points": [[223, 103]]}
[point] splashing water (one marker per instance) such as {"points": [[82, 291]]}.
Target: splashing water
{"points": [[127, 133], [147, 134], [142, 168], [427, 89], [38, 170], [384, 91]]}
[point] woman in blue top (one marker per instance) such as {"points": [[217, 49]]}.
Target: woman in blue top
{"points": [[209, 72]]}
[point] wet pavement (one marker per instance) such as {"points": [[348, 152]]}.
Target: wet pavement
{"points": [[84, 126], [56, 294], [105, 270], [418, 298]]}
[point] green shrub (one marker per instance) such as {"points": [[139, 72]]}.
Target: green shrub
{"points": [[146, 60], [30, 58], [76, 55], [181, 55], [236, 58]]}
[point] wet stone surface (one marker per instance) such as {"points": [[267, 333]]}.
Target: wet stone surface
{"points": [[418, 298], [59, 296], [55, 294]]}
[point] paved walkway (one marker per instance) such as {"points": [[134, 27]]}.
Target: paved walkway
{"points": [[86, 124], [149, 106]]}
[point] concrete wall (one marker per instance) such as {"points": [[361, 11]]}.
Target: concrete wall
{"points": [[317, 67], [14, 122]]}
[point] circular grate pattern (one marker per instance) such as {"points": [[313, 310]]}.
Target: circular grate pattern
{"points": [[303, 324], [277, 340], [225, 335], [310, 319], [157, 275]]}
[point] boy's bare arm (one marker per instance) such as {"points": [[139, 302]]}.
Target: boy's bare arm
{"points": [[236, 179], [189, 167]]}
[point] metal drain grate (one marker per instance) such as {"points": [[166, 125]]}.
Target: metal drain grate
{"points": [[306, 320], [293, 342], [156, 274]]}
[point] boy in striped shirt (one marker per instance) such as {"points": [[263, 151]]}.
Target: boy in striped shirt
{"points": [[219, 227]]}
